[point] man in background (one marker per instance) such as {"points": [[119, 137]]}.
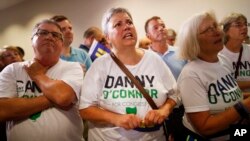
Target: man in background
{"points": [[89, 35], [70, 53], [156, 31]]}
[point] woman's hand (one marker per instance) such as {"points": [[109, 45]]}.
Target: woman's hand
{"points": [[155, 117], [128, 121]]}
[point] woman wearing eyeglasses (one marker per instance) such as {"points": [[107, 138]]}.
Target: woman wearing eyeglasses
{"points": [[210, 95], [234, 51]]}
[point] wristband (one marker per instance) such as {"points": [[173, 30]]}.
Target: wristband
{"points": [[246, 110], [242, 110]]}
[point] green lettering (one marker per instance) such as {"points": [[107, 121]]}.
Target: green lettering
{"points": [[131, 94], [154, 93], [123, 94], [248, 72], [224, 97], [138, 94], [105, 93], [115, 94]]}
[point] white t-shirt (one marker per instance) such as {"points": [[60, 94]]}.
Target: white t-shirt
{"points": [[52, 124], [206, 87], [105, 85], [230, 60]]}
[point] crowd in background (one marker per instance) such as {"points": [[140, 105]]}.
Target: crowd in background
{"points": [[199, 78]]}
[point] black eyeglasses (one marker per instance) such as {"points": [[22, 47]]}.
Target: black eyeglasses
{"points": [[45, 33]]}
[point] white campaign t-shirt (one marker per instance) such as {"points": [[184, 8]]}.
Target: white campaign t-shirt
{"points": [[230, 60], [105, 85], [52, 124], [206, 87]]}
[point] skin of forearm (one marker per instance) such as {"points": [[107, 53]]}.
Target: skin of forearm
{"points": [[56, 91], [95, 114], [244, 84], [246, 103], [207, 124], [20, 108], [168, 106]]}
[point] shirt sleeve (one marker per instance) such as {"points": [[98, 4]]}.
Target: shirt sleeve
{"points": [[8, 82], [193, 94], [92, 87]]}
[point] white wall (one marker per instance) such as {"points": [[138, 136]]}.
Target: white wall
{"points": [[17, 21]]}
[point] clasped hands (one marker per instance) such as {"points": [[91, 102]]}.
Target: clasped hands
{"points": [[131, 121]]}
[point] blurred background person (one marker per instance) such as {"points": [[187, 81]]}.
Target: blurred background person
{"points": [[89, 35], [171, 36], [1, 60], [144, 43], [235, 29], [2, 123], [71, 53], [21, 52], [156, 31], [10, 54]]}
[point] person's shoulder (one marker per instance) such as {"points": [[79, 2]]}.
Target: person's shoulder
{"points": [[193, 64], [67, 63], [246, 46], [104, 58], [226, 51], [16, 66], [20, 64], [151, 53], [78, 50]]}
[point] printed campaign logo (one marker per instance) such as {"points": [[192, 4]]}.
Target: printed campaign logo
{"points": [[239, 132], [131, 110]]}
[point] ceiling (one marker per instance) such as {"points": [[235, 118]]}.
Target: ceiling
{"points": [[8, 3]]}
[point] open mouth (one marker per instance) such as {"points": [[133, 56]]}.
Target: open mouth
{"points": [[128, 36]]}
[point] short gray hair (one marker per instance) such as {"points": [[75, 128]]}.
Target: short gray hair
{"points": [[187, 36], [48, 22], [109, 13]]}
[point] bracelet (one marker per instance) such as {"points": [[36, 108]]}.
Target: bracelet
{"points": [[242, 110], [246, 110]]}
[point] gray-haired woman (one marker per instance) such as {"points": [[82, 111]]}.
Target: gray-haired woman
{"points": [[113, 105]]}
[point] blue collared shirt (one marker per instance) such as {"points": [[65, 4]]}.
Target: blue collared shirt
{"points": [[78, 55], [171, 59]]}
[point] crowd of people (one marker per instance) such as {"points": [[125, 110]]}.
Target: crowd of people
{"points": [[198, 80]]}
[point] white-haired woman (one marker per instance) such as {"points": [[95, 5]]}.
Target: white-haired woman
{"points": [[210, 94]]}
